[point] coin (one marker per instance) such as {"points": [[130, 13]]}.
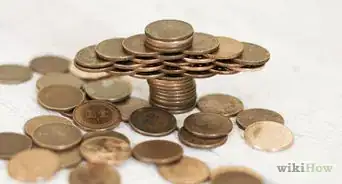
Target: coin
{"points": [[67, 114], [152, 121], [198, 59], [13, 143], [167, 50], [268, 136], [253, 55], [247, 68], [176, 63], [127, 65], [128, 106], [187, 170], [33, 165], [57, 136], [105, 150], [87, 58], [150, 68], [223, 104], [193, 141], [14, 74], [200, 75], [136, 46], [49, 63], [112, 50], [158, 152], [229, 48], [234, 174], [169, 44], [169, 30], [222, 71], [93, 70], [50, 97], [171, 57], [227, 64], [250, 116], [109, 133], [111, 89], [120, 72], [58, 79], [96, 115], [197, 67], [146, 60], [148, 75], [172, 70], [94, 173], [86, 75], [203, 44], [70, 158]]}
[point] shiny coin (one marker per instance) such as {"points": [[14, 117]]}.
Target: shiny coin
{"points": [[86, 75], [172, 70], [250, 116], [128, 106], [70, 158], [14, 74], [150, 68], [197, 67], [87, 58], [127, 65], [58, 79], [47, 64], [120, 72], [268, 136], [108, 133], [198, 59], [247, 68], [136, 46], [223, 104], [222, 71], [146, 60], [229, 48], [176, 63], [234, 175], [253, 55], [33, 165], [171, 57], [93, 70], [148, 75], [105, 150], [158, 152], [152, 121], [94, 173], [199, 75], [203, 44], [112, 50], [13, 143]]}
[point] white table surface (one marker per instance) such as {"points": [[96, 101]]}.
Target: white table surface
{"points": [[302, 81]]}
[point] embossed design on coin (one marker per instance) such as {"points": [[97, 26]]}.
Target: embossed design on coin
{"points": [[13, 143], [48, 63], [128, 106], [250, 116], [14, 74], [197, 142]]}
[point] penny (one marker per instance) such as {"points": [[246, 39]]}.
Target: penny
{"points": [[172, 70], [148, 75], [120, 72], [158, 152], [152, 121], [227, 64], [112, 50], [176, 77], [57, 136], [169, 30], [169, 44], [222, 71], [94, 173], [127, 65], [167, 50], [111, 89], [200, 75], [176, 63], [87, 58], [50, 97], [268, 136], [93, 70], [13, 143], [105, 150], [108, 133], [128, 106], [203, 44], [208, 125], [174, 102], [253, 55], [223, 104], [197, 67], [229, 48], [234, 174], [33, 165], [150, 68], [58, 79], [96, 115], [136, 46], [48, 63], [67, 114], [188, 170], [146, 60], [250, 116], [14, 74], [32, 124], [198, 59], [86, 75], [70, 158], [171, 57], [247, 68], [193, 141]]}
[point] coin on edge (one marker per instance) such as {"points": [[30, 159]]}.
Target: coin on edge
{"points": [[229, 48], [128, 106], [70, 158], [234, 175], [109, 133], [87, 58], [49, 63], [14, 74], [112, 50], [58, 79], [250, 116], [13, 143], [253, 55], [203, 44], [94, 173]]}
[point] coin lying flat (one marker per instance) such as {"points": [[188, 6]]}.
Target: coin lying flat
{"points": [[13, 143], [229, 48], [202, 143], [169, 44], [150, 68], [197, 67], [93, 70], [253, 55], [248, 68], [109, 133], [167, 50], [112, 50], [33, 165], [86, 75], [48, 63], [70, 158], [136, 46], [222, 71], [127, 65], [146, 60], [234, 175], [198, 59], [121, 72], [105, 150], [14, 74], [199, 75], [171, 57], [153, 121], [188, 170], [203, 44], [87, 57], [128, 106], [250, 116], [58, 79]]}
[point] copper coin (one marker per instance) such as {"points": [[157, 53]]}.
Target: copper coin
{"points": [[172, 70], [227, 64], [173, 102], [112, 50], [152, 121], [105, 150], [127, 65], [175, 110], [14, 74], [97, 115], [108, 133], [120, 72], [198, 59], [128, 106], [171, 57], [169, 30], [158, 152], [169, 44], [234, 175], [86, 75], [167, 50], [94, 173], [146, 60], [223, 71], [87, 58], [268, 136], [148, 75], [223, 104], [229, 48], [50, 97], [188, 170], [197, 67], [136, 46], [175, 77], [93, 70], [193, 141], [168, 107], [247, 68], [203, 44], [13, 143], [58, 79], [253, 55], [70, 158], [33, 165], [176, 63], [150, 68], [57, 136], [48, 63], [250, 116], [67, 114], [199, 75]]}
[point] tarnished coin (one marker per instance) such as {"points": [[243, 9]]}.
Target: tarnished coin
{"points": [[229, 48], [197, 67], [146, 60], [121, 72], [127, 65], [169, 30], [70, 158], [148, 75], [223, 71], [253, 55], [203, 44], [169, 44], [268, 136], [87, 57], [60, 97], [188, 170], [136, 46], [94, 173], [108, 133], [86, 75], [14, 74], [111, 89], [105, 150], [193, 141], [33, 165], [223, 104], [58, 79], [112, 50], [250, 116], [93, 70], [150, 68], [234, 175], [158, 152], [199, 75], [153, 121], [13, 143], [198, 59], [171, 57], [48, 63], [172, 70], [128, 106], [176, 63], [57, 136]]}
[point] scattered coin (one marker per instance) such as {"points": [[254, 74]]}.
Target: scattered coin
{"points": [[112, 50], [222, 71], [200, 75], [158, 152], [108, 133], [48, 63], [13, 143], [233, 175], [14, 74], [203, 44], [70, 158], [148, 75], [128, 106], [229, 48], [87, 75], [253, 55], [136, 46], [250, 116], [58, 79], [87, 57]]}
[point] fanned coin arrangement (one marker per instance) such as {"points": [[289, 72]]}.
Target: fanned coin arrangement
{"points": [[93, 99]]}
